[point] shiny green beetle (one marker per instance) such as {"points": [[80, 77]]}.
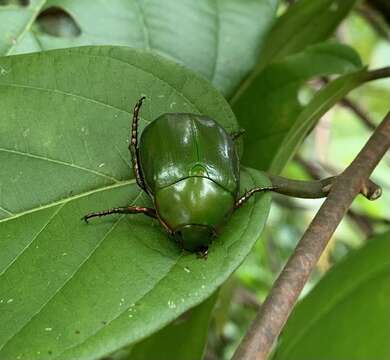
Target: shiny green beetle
{"points": [[188, 164]]}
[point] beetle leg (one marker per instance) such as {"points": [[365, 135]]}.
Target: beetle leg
{"points": [[243, 199], [133, 146], [236, 134], [122, 210], [203, 253]]}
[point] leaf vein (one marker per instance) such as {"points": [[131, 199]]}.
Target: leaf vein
{"points": [[62, 201], [64, 284], [59, 162], [51, 217]]}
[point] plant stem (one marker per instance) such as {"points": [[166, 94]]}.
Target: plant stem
{"points": [[316, 189]]}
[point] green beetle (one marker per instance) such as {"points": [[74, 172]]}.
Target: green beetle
{"points": [[188, 164]]}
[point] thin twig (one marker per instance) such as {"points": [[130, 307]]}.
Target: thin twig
{"points": [[382, 7], [354, 107], [373, 18], [359, 112], [273, 314]]}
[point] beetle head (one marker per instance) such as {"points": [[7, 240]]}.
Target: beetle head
{"points": [[193, 237]]}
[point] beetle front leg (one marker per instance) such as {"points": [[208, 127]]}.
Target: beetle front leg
{"points": [[122, 210], [133, 146], [243, 199]]}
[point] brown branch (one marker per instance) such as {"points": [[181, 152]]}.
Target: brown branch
{"points": [[273, 314]]}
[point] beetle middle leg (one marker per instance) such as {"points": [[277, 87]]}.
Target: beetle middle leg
{"points": [[122, 210], [133, 146], [243, 199]]}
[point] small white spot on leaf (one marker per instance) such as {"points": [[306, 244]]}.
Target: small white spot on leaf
{"points": [[171, 304]]}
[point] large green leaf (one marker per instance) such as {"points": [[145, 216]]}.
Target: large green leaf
{"points": [[306, 22], [200, 34], [323, 100], [346, 316], [72, 291], [270, 107], [70, 98]]}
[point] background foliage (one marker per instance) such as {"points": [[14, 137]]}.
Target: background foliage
{"points": [[70, 291]]}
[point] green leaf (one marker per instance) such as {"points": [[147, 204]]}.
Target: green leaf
{"points": [[306, 22], [269, 109], [324, 100], [15, 22], [346, 316], [200, 34], [74, 291], [55, 141], [184, 339]]}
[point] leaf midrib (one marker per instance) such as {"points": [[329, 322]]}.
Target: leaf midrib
{"points": [[59, 162], [71, 198]]}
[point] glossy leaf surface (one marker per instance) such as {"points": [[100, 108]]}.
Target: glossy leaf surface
{"points": [[74, 291], [184, 339], [200, 34], [271, 107], [306, 22]]}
